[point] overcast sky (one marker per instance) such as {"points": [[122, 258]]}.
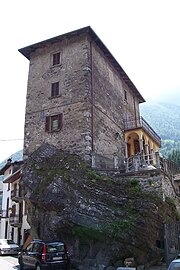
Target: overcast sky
{"points": [[143, 36]]}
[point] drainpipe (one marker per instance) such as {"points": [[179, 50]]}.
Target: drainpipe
{"points": [[135, 110], [92, 100]]}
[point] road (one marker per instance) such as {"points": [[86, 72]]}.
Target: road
{"points": [[9, 263]]}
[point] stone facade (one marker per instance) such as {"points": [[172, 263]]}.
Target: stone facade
{"points": [[95, 97]]}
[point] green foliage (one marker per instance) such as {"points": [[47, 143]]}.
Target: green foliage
{"points": [[133, 187], [92, 175], [87, 234], [115, 229], [164, 118], [174, 155]]}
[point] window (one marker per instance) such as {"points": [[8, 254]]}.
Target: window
{"points": [[29, 247], [56, 59], [125, 95], [54, 122], [55, 89]]}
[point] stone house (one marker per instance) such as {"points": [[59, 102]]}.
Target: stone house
{"points": [[81, 100], [14, 223]]}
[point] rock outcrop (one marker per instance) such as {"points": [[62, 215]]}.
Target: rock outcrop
{"points": [[103, 218]]}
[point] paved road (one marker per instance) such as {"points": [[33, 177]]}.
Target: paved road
{"points": [[9, 263]]}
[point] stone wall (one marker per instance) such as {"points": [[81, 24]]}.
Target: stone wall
{"points": [[74, 78], [92, 101], [155, 182], [110, 107]]}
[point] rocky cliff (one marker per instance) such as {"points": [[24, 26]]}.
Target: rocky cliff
{"points": [[103, 218]]}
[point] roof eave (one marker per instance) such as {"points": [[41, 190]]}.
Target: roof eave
{"points": [[26, 51]]}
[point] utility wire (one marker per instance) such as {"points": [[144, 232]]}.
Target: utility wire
{"points": [[9, 140]]}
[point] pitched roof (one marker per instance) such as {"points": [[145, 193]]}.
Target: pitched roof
{"points": [[16, 165], [26, 51]]}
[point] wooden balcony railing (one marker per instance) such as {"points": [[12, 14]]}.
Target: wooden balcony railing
{"points": [[16, 195], [141, 123], [15, 220]]}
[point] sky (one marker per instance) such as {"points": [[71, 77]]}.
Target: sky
{"points": [[143, 36]]}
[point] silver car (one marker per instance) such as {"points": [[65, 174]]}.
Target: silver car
{"points": [[8, 247]]}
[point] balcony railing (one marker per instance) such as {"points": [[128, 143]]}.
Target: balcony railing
{"points": [[141, 162], [16, 195], [15, 220], [141, 123]]}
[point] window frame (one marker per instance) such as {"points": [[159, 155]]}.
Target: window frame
{"points": [[55, 89], [50, 119], [125, 95], [56, 59]]}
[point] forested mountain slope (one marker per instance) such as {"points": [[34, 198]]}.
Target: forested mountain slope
{"points": [[165, 120]]}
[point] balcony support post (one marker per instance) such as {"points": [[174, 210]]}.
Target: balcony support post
{"points": [[157, 160], [147, 153], [141, 145], [126, 150]]}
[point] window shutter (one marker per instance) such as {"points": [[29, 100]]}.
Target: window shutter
{"points": [[55, 89], [47, 125], [56, 59], [60, 120]]}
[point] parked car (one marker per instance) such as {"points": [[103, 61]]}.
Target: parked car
{"points": [[174, 265], [40, 255], [8, 247]]}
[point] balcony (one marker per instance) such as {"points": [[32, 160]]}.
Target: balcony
{"points": [[15, 220], [16, 195], [132, 124]]}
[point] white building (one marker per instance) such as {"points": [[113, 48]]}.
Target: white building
{"points": [[14, 223]]}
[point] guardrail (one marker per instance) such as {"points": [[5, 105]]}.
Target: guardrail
{"points": [[141, 123]]}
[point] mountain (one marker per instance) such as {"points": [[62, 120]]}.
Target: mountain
{"points": [[164, 118]]}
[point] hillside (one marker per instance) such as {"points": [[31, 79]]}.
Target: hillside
{"points": [[165, 120]]}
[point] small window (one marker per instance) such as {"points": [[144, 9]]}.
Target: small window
{"points": [[56, 59], [55, 89], [125, 95], [54, 123]]}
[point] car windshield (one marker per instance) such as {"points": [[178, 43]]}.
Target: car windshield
{"points": [[174, 266], [55, 247]]}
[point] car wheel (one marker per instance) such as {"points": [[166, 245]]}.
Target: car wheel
{"points": [[38, 267]]}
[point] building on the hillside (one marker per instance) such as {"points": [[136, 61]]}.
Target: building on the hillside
{"points": [[14, 223], [80, 99], [1, 195]]}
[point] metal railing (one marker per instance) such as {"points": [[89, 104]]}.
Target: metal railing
{"points": [[15, 220], [139, 162], [142, 161], [133, 123]]}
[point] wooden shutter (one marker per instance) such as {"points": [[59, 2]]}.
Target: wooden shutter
{"points": [[56, 59], [47, 125], [55, 89], [60, 120]]}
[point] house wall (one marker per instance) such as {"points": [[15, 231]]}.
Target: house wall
{"points": [[110, 107], [74, 78], [12, 231], [92, 102]]}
